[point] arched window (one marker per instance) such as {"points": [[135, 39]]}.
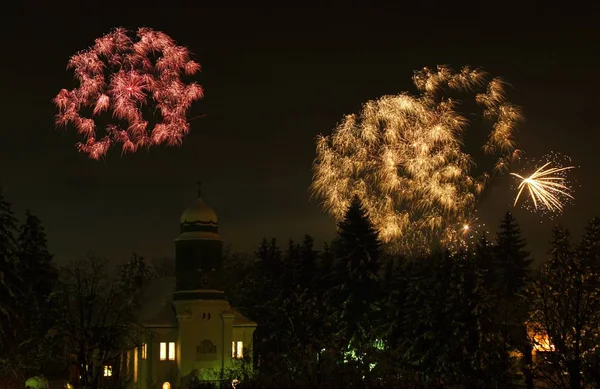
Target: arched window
{"points": [[166, 385]]}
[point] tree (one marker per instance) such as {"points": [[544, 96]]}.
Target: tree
{"points": [[510, 274], [566, 310], [95, 317], [136, 272], [9, 282], [11, 366], [34, 261], [446, 299], [357, 290], [34, 336]]}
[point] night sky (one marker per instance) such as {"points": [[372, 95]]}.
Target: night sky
{"points": [[274, 79]]}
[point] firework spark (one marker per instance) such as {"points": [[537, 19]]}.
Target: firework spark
{"points": [[121, 78], [547, 186], [403, 156]]}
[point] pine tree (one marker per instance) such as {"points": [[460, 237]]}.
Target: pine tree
{"points": [[307, 263], [511, 259], [358, 252], [10, 297], [510, 270], [39, 278], [9, 282], [34, 261]]}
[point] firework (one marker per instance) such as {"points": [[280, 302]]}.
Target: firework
{"points": [[403, 155], [547, 184], [136, 86]]}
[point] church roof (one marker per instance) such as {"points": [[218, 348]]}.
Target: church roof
{"points": [[240, 320], [198, 211], [199, 221], [157, 306]]}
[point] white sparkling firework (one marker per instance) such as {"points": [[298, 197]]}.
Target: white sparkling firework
{"points": [[547, 184]]}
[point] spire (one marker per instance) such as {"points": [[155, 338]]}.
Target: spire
{"points": [[199, 183]]}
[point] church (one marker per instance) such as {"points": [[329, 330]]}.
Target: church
{"points": [[192, 328]]}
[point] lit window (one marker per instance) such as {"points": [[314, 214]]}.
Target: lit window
{"points": [[144, 351], [163, 351], [135, 364], [237, 349], [171, 351], [107, 370], [166, 385]]}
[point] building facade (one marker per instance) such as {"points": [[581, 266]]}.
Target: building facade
{"points": [[192, 329]]}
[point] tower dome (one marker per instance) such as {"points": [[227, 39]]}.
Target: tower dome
{"points": [[199, 221]]}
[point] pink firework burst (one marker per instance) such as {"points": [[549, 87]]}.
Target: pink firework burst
{"points": [[135, 85]]}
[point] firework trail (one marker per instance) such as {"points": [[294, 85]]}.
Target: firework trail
{"points": [[547, 184], [404, 156], [122, 78]]}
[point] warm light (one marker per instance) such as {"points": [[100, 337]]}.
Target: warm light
{"points": [[107, 370], [163, 351], [237, 349], [144, 351], [240, 349], [171, 351], [166, 385], [466, 227], [135, 365], [541, 341]]}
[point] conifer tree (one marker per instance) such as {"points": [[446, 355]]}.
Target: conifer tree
{"points": [[510, 271], [39, 278], [511, 259], [11, 369], [9, 284], [34, 261], [358, 252]]}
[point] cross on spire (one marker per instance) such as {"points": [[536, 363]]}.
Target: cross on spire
{"points": [[199, 183]]}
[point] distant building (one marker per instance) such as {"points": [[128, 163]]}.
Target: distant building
{"points": [[194, 329]]}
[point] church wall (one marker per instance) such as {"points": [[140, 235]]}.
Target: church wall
{"points": [[159, 371], [202, 337]]}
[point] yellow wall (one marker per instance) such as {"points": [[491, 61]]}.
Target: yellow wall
{"points": [[195, 327], [160, 371]]}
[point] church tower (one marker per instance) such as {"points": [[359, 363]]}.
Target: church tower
{"points": [[198, 254], [205, 318]]}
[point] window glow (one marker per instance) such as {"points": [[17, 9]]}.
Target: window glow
{"points": [[163, 351], [107, 370], [166, 385], [240, 349], [171, 351], [144, 351], [232, 349], [135, 365]]}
